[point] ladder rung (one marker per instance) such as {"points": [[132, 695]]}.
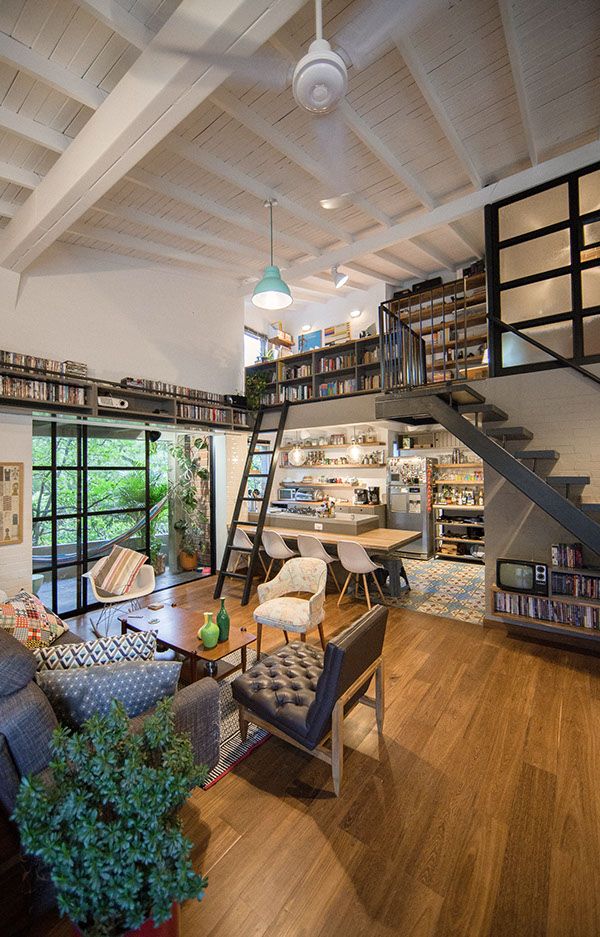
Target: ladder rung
{"points": [[241, 549], [225, 572], [253, 499], [246, 523], [258, 475]]}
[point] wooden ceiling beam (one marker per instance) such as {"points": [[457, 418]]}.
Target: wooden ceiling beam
{"points": [[26, 178], [33, 131], [297, 154], [188, 197], [372, 274], [514, 56], [121, 22], [7, 209], [469, 242], [429, 92], [450, 212], [152, 98], [444, 262], [222, 170], [402, 264]]}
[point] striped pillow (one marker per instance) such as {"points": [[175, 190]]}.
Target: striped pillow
{"points": [[117, 573]]}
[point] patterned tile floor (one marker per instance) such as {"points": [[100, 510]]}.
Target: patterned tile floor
{"points": [[441, 587]]}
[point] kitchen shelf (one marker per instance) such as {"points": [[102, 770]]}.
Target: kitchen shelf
{"points": [[455, 465], [448, 484], [345, 465], [459, 540], [462, 507], [460, 523], [339, 445]]}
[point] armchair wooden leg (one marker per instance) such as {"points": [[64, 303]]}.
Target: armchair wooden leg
{"points": [[269, 570], [303, 637], [376, 580], [337, 746], [286, 636], [367, 596], [334, 577], [243, 724], [344, 589], [321, 635], [258, 639], [379, 697]]}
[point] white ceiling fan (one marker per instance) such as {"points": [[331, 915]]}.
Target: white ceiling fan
{"points": [[319, 80]]}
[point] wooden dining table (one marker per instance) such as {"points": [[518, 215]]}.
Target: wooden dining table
{"points": [[383, 542]]}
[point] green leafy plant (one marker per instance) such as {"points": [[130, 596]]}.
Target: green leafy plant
{"points": [[256, 385], [185, 497], [107, 824]]}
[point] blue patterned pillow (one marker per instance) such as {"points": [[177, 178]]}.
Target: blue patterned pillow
{"points": [[80, 692], [134, 645]]}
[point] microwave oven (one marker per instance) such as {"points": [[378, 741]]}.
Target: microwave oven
{"points": [[287, 494], [522, 576]]}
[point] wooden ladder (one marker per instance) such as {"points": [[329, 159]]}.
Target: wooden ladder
{"points": [[274, 441]]}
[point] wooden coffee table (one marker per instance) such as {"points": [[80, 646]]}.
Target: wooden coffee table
{"points": [[177, 628]]}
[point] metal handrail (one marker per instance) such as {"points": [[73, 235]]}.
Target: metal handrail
{"points": [[532, 341]]}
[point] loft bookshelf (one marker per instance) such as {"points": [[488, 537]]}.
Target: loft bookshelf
{"points": [[343, 370], [36, 389]]}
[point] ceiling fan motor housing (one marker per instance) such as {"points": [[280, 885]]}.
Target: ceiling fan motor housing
{"points": [[320, 78]]}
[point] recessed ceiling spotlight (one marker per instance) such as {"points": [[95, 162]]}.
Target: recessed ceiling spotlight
{"points": [[355, 313], [338, 278], [306, 328], [335, 202]]}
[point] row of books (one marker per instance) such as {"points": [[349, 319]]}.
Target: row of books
{"points": [[585, 587], [337, 362], [187, 411], [371, 357], [371, 382], [34, 363], [299, 392], [174, 390], [530, 606], [239, 418], [19, 388], [302, 370], [333, 388], [567, 554]]}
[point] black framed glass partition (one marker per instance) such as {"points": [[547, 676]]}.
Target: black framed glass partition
{"points": [[543, 259], [96, 485]]}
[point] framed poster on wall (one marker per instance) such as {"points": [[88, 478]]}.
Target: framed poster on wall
{"points": [[336, 334], [11, 503], [309, 340]]}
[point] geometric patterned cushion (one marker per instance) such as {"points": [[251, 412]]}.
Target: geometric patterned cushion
{"points": [[117, 572], [135, 645], [77, 694], [26, 618]]}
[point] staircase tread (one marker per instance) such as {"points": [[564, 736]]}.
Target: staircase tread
{"points": [[509, 432], [537, 454], [568, 479], [489, 411]]}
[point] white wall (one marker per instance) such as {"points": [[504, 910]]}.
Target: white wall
{"points": [[335, 311], [125, 318], [15, 446]]}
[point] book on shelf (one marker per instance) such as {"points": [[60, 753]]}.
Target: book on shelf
{"points": [[34, 363], [371, 382], [172, 390], [187, 411], [20, 388], [301, 370], [301, 392], [567, 554], [371, 356], [546, 609], [577, 585], [334, 388], [337, 362]]}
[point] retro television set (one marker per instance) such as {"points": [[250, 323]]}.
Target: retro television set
{"points": [[522, 576]]}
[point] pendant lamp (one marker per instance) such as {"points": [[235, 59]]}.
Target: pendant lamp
{"points": [[271, 292]]}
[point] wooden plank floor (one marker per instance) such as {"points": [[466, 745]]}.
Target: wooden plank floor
{"points": [[476, 813]]}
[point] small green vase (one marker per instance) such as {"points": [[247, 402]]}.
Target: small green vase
{"points": [[223, 622], [209, 633]]}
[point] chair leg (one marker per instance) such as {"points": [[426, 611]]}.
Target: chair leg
{"points": [[269, 570], [368, 597], [344, 589], [303, 637], [378, 587], [337, 747], [258, 639], [260, 556], [286, 636], [334, 577], [379, 697], [243, 724], [321, 635]]}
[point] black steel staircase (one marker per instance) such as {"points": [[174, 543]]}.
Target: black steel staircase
{"points": [[529, 470], [255, 449]]}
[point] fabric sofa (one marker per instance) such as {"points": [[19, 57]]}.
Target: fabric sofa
{"points": [[27, 722]]}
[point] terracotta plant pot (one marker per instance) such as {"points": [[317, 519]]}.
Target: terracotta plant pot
{"points": [[170, 928], [187, 561]]}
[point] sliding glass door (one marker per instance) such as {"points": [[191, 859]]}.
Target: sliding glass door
{"points": [[95, 486]]}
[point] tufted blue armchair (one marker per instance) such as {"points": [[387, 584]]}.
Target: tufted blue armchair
{"points": [[302, 695]]}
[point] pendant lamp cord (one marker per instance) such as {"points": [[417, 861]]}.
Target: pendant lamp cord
{"points": [[271, 224]]}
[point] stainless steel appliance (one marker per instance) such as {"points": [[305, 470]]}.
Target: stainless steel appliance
{"points": [[374, 494], [361, 496], [410, 503]]}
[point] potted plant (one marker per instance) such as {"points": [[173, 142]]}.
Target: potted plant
{"points": [[106, 824], [186, 497], [188, 556], [158, 559], [256, 385]]}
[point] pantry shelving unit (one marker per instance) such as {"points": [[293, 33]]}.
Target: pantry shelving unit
{"points": [[449, 517]]}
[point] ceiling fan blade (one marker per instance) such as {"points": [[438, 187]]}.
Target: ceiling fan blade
{"points": [[377, 23], [266, 69], [332, 138]]}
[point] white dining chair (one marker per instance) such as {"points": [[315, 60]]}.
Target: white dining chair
{"points": [[241, 541], [356, 561], [276, 548], [312, 547]]}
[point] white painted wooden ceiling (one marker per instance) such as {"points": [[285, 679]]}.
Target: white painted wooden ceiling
{"points": [[479, 91]]}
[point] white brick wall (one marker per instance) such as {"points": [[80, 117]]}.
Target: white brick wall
{"points": [[15, 446]]}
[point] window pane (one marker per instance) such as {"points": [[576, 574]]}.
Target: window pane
{"points": [[66, 446], [41, 445], [66, 491], [533, 212], [122, 489], [252, 349], [42, 543], [116, 446], [591, 335], [67, 589], [66, 538], [44, 589], [108, 527], [590, 287], [41, 492], [557, 336], [534, 300], [589, 192], [536, 256], [591, 232]]}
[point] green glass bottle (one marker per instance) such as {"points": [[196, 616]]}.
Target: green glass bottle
{"points": [[223, 622], [209, 633]]}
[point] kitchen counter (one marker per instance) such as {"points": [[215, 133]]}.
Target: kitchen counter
{"points": [[346, 524]]}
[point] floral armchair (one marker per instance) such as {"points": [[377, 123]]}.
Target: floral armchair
{"points": [[279, 609]]}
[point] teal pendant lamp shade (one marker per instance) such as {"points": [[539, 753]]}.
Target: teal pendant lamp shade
{"points": [[271, 292]]}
